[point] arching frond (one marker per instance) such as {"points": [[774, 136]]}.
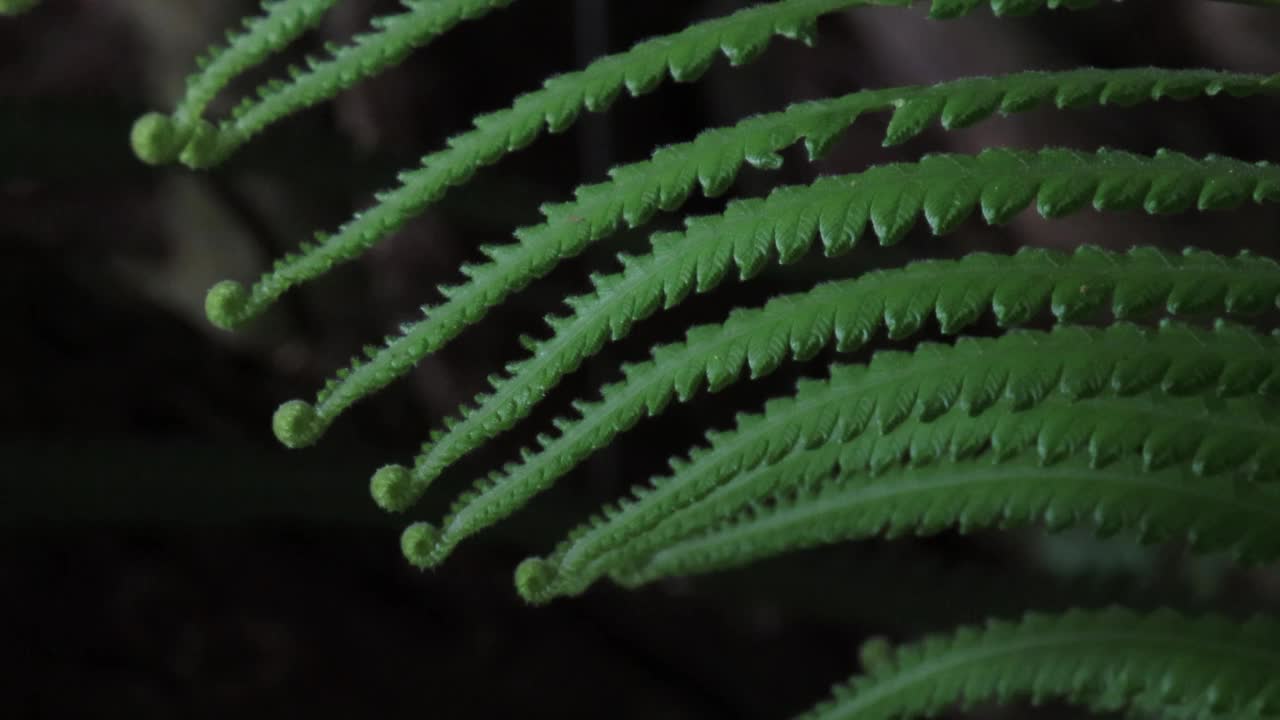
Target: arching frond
{"points": [[684, 56], [1212, 513], [711, 161], [742, 468], [1023, 366], [185, 136], [159, 139], [1110, 657], [1167, 431], [957, 293]]}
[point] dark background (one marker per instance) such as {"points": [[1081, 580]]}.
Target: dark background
{"points": [[162, 556]]}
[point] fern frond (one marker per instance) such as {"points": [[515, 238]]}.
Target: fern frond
{"points": [[159, 139], [684, 55], [1115, 655], [199, 144], [711, 161], [957, 292], [903, 300], [742, 468], [1212, 514], [1164, 433], [1024, 366]]}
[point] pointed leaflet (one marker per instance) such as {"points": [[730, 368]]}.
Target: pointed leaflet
{"points": [[159, 139]]}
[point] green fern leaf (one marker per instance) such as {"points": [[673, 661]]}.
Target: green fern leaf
{"points": [[1164, 434], [956, 292], [496, 134], [835, 209], [635, 191], [825, 426], [1214, 514], [639, 70], [1023, 367], [197, 143], [159, 139], [1114, 656]]}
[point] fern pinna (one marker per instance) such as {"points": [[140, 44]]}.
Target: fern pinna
{"points": [[1148, 409]]}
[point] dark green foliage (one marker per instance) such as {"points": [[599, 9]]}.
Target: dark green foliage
{"points": [[1038, 381], [784, 227], [1118, 418], [635, 192], [1108, 659]]}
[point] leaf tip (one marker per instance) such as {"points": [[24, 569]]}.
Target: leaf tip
{"points": [[392, 488], [296, 424], [419, 542], [156, 139], [534, 577], [224, 304], [876, 655]]}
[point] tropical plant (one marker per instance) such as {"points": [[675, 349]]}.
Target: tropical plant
{"points": [[1118, 418]]}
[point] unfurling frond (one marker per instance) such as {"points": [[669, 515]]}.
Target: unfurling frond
{"points": [[957, 293], [738, 468], [820, 440], [1025, 367], [198, 143], [683, 56], [634, 192], [159, 139], [1165, 431], [1106, 659], [946, 189], [1212, 514]]}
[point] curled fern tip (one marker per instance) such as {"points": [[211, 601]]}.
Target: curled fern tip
{"points": [[295, 424], [224, 304], [419, 544], [876, 654], [392, 488], [1149, 411], [156, 139], [533, 578]]}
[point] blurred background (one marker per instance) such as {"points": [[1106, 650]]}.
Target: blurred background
{"points": [[162, 556]]}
